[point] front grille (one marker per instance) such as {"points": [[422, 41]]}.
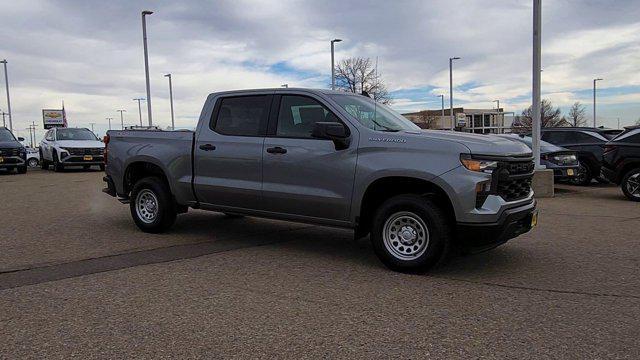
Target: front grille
{"points": [[85, 151], [9, 152], [513, 179], [81, 160]]}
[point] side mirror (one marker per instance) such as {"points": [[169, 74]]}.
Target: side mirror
{"points": [[21, 139], [334, 131]]}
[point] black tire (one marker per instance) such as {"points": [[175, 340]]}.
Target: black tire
{"points": [[21, 169], [166, 207], [438, 241], [33, 162], [57, 166], [44, 164], [101, 167], [630, 182], [583, 176]]}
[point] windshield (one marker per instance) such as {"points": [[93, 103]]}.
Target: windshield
{"points": [[6, 135], [373, 115], [75, 134]]}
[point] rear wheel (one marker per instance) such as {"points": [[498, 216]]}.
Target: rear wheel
{"points": [[33, 162], [152, 206], [631, 185], [411, 233]]}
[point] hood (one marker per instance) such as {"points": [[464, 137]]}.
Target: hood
{"points": [[80, 143], [10, 144], [479, 144]]}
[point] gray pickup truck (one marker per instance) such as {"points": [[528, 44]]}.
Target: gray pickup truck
{"points": [[329, 158]]}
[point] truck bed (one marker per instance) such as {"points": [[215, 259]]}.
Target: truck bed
{"points": [[169, 150]]}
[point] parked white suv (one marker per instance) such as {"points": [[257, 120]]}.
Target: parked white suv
{"points": [[62, 147]]}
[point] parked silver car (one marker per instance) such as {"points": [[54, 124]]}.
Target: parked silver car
{"points": [[63, 147]]}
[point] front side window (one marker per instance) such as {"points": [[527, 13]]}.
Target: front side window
{"points": [[243, 115], [75, 134], [6, 135], [298, 114], [373, 115]]}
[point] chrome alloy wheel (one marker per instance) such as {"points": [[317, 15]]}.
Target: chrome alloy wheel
{"points": [[405, 235], [633, 185], [147, 206]]}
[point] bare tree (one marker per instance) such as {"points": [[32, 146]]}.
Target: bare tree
{"points": [[550, 117], [359, 75], [427, 120], [577, 115]]}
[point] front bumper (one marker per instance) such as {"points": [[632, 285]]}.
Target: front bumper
{"points": [[477, 237], [80, 160], [565, 172], [11, 162]]}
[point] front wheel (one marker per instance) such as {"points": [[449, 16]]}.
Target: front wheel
{"points": [[33, 162], [411, 233], [152, 206], [583, 175], [631, 185]]}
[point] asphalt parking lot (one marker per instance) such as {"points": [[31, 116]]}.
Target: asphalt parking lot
{"points": [[78, 279]]}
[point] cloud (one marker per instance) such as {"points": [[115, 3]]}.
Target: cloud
{"points": [[90, 53]]}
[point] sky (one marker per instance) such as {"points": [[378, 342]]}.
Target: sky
{"points": [[89, 53]]}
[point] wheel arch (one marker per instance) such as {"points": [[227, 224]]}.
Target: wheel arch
{"points": [[386, 187], [141, 168]]}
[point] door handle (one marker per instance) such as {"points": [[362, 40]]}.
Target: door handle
{"points": [[276, 150], [207, 147]]}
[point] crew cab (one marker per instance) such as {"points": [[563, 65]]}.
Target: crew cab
{"points": [[63, 147], [329, 158], [13, 154]]}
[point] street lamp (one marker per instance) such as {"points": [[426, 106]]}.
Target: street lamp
{"points": [[535, 85], [121, 118], [6, 82], [173, 125], [333, 66], [451, 89], [146, 61], [109, 120], [139, 108], [594, 101]]}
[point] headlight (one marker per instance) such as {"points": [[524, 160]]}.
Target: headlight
{"points": [[479, 165], [565, 158]]}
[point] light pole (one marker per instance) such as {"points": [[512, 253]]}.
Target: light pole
{"points": [[109, 120], [121, 118], [6, 82], [146, 62], [4, 122], [442, 99], [139, 108], [92, 127], [333, 66], [594, 102], [284, 85], [535, 93], [451, 90], [173, 124]]}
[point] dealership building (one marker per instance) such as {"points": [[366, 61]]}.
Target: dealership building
{"points": [[481, 121]]}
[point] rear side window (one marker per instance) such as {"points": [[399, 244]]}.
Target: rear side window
{"points": [[243, 115], [554, 137], [582, 138], [298, 115]]}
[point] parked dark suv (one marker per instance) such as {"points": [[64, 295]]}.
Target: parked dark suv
{"points": [[13, 155], [588, 143], [621, 162]]}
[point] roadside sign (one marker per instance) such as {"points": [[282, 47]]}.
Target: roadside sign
{"points": [[461, 120], [53, 118]]}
